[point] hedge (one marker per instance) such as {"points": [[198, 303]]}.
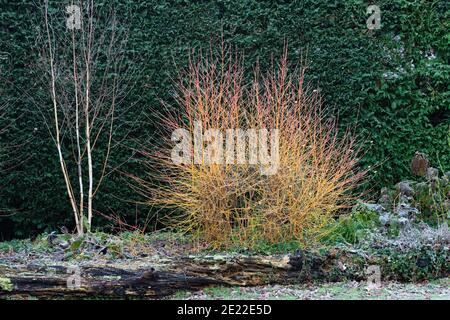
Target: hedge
{"points": [[392, 83]]}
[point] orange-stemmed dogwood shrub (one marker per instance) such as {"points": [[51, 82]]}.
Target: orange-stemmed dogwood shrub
{"points": [[224, 199]]}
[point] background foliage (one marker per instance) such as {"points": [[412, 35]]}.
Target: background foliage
{"points": [[392, 83]]}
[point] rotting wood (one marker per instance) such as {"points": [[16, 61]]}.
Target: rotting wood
{"points": [[191, 273]]}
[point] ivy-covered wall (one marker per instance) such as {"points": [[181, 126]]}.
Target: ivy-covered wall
{"points": [[392, 83]]}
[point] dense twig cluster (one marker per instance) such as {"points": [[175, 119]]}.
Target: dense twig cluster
{"points": [[228, 203]]}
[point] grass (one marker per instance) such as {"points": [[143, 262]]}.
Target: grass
{"points": [[432, 290]]}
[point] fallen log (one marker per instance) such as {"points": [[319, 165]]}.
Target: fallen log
{"points": [[156, 278]]}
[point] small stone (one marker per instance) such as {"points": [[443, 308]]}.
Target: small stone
{"points": [[64, 244], [432, 173], [402, 211], [405, 189], [374, 207], [385, 219], [403, 221], [405, 210], [405, 199]]}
